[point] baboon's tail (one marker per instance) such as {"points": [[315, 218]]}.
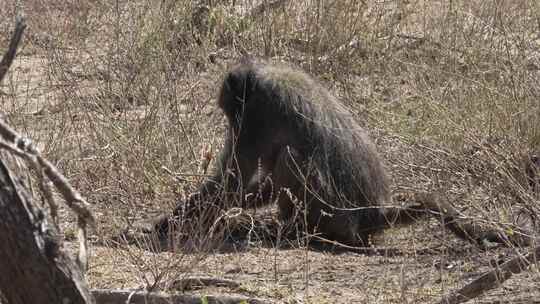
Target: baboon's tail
{"points": [[421, 204]]}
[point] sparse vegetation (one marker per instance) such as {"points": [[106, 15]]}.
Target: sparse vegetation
{"points": [[119, 95]]}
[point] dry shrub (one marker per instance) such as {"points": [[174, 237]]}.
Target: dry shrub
{"points": [[124, 102]]}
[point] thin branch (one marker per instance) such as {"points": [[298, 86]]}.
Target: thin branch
{"points": [[8, 58]]}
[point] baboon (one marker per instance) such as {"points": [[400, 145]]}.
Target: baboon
{"points": [[291, 141]]}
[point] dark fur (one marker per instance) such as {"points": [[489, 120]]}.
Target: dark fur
{"points": [[291, 141]]}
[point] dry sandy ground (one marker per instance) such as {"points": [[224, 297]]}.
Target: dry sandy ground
{"points": [[308, 276]]}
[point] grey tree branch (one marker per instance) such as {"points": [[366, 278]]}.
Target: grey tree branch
{"points": [[493, 278]]}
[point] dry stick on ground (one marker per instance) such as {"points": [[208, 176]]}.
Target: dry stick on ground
{"points": [[493, 278], [141, 297], [34, 268], [194, 283]]}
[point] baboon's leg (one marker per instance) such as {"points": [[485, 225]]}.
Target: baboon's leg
{"points": [[287, 183], [301, 208]]}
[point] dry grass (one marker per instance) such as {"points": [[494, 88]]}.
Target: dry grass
{"points": [[118, 94]]}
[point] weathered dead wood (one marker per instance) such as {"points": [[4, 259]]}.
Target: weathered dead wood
{"points": [[185, 284], [105, 296], [493, 278], [33, 265]]}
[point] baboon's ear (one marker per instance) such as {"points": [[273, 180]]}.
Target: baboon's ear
{"points": [[242, 77], [235, 82], [237, 86], [233, 92]]}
